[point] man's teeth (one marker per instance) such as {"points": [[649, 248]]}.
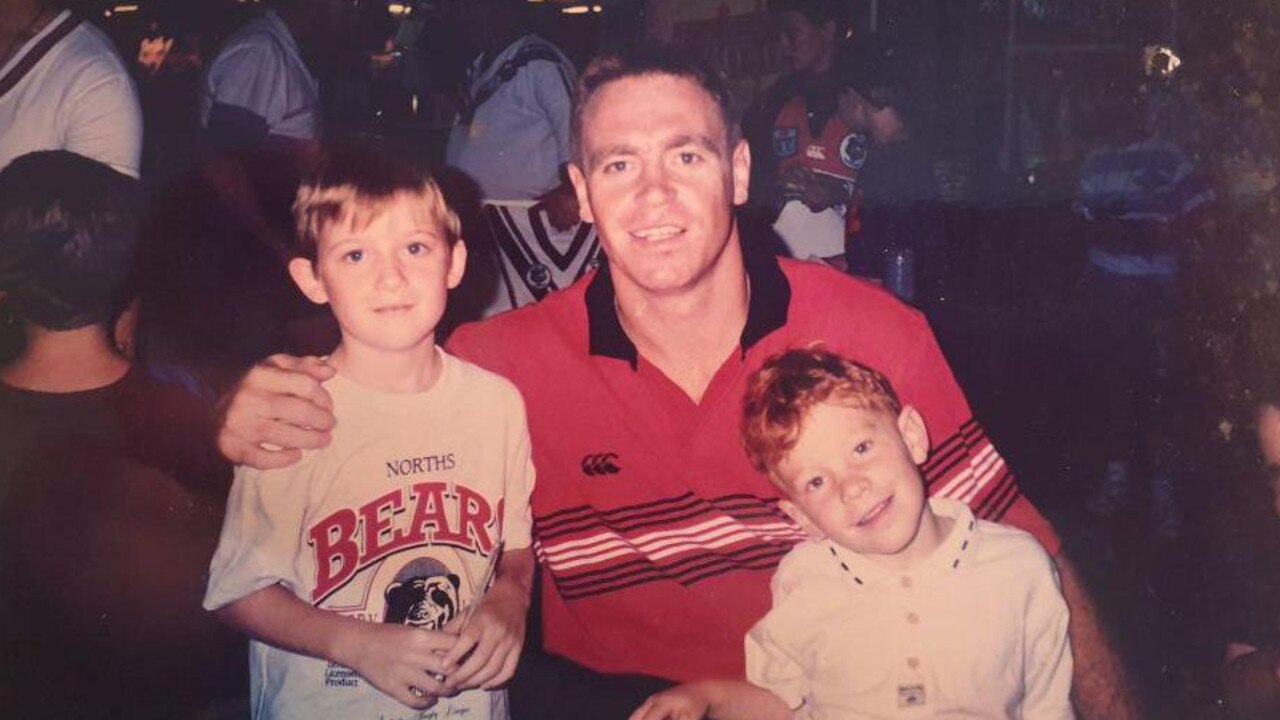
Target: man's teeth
{"points": [[657, 233]]}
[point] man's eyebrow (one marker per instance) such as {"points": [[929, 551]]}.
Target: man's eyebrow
{"points": [[594, 159], [702, 141]]}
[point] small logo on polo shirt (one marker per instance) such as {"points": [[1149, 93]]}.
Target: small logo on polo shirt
{"points": [[601, 464]]}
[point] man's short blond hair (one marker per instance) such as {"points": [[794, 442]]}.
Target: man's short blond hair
{"points": [[351, 185]]}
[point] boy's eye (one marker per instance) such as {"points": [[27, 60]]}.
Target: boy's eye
{"points": [[862, 448], [815, 483], [416, 248], [354, 256]]}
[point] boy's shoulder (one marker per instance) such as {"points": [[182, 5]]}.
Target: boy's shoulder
{"points": [[807, 562], [1012, 549]]}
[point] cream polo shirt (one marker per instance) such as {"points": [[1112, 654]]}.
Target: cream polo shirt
{"points": [[978, 630]]}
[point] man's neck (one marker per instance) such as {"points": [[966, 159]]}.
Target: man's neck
{"points": [[404, 371], [688, 334], [65, 361]]}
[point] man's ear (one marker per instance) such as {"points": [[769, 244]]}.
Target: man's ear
{"points": [[797, 515], [457, 264], [741, 162], [579, 180], [914, 434], [303, 272]]}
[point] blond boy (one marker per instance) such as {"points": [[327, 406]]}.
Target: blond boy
{"points": [[360, 572], [896, 606]]}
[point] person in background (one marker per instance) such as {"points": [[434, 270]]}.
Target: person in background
{"points": [[807, 158], [110, 489], [1251, 656], [900, 202], [1141, 199], [62, 87], [512, 139]]}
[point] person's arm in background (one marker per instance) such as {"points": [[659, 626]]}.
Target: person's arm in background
{"points": [[553, 87]]}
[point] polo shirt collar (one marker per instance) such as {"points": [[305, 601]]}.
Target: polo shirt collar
{"points": [[949, 557], [766, 308]]}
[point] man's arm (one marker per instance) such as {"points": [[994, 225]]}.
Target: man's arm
{"points": [[1101, 687], [394, 658], [280, 402]]}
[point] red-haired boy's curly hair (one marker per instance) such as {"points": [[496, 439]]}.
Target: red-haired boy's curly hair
{"points": [[782, 392]]}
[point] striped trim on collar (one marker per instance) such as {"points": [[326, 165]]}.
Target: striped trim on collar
{"points": [[37, 48]]}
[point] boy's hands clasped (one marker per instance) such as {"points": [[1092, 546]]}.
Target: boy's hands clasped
{"points": [[415, 666]]}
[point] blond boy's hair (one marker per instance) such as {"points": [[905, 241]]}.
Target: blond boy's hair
{"points": [[782, 392], [350, 185]]}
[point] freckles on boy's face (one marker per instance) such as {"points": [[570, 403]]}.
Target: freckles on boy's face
{"points": [[852, 478], [386, 281]]}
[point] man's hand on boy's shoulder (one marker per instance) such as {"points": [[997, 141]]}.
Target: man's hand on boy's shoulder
{"points": [[281, 404], [489, 641]]}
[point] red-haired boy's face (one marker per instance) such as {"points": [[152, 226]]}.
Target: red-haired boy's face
{"points": [[852, 478]]}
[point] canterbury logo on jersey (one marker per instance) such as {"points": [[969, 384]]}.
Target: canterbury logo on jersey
{"points": [[601, 464]]}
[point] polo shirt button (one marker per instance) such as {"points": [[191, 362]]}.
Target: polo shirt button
{"points": [[913, 618], [906, 582], [913, 663]]}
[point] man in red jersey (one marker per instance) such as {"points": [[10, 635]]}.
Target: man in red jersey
{"points": [[656, 537]]}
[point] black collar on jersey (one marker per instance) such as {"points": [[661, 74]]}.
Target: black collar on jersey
{"points": [[766, 308], [36, 53]]}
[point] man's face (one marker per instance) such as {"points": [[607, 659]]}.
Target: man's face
{"points": [[386, 281], [805, 47], [852, 477], [659, 179]]}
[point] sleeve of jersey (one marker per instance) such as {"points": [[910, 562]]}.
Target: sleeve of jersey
{"points": [[105, 123], [517, 522], [963, 463], [259, 535]]}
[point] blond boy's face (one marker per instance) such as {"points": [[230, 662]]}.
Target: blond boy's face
{"points": [[852, 478], [386, 281]]}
